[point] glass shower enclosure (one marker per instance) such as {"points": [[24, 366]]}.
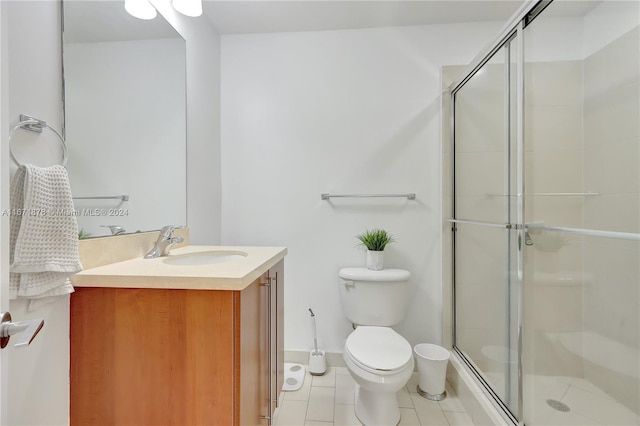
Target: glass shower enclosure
{"points": [[546, 214]]}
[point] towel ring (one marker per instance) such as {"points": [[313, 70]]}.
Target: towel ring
{"points": [[36, 124]]}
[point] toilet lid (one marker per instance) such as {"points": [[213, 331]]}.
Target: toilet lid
{"points": [[378, 348]]}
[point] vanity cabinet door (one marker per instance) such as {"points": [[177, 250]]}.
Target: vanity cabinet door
{"points": [[261, 347], [151, 357], [251, 344]]}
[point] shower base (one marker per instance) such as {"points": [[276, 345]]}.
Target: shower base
{"points": [[588, 405], [548, 397]]}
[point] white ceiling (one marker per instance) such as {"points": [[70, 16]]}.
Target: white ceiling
{"points": [[240, 16], [106, 20]]}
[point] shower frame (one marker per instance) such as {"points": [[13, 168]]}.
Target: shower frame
{"points": [[512, 34]]}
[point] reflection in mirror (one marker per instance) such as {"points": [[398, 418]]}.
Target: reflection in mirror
{"points": [[125, 118]]}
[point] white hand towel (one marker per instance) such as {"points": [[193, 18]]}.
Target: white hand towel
{"points": [[43, 236]]}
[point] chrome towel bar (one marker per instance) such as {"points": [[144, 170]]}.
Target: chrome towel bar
{"points": [[105, 197], [409, 196], [476, 222], [587, 232]]}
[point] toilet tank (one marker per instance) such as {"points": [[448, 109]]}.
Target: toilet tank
{"points": [[373, 297]]}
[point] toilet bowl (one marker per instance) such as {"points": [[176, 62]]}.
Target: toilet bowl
{"points": [[381, 363]]}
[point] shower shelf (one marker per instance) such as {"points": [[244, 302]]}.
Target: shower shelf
{"points": [[550, 194], [563, 194]]}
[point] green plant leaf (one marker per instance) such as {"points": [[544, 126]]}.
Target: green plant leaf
{"points": [[375, 239]]}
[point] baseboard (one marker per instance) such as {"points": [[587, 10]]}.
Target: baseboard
{"points": [[334, 359]]}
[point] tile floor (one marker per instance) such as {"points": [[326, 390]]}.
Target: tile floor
{"points": [[328, 401]]}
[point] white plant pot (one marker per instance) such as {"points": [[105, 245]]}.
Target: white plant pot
{"points": [[375, 260]]}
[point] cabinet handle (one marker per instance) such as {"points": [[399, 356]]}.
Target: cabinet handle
{"points": [[270, 346], [267, 285]]}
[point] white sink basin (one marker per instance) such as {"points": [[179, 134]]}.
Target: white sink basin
{"points": [[205, 258]]}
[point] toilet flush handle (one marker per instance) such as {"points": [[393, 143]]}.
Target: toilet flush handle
{"points": [[348, 283]]}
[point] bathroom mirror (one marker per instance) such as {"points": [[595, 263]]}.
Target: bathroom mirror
{"points": [[125, 118]]}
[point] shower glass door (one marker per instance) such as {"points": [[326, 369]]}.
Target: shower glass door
{"points": [[485, 243]]}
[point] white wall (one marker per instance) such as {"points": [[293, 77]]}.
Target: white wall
{"points": [[203, 123], [4, 204], [39, 375], [612, 169], [339, 112], [607, 22], [124, 102]]}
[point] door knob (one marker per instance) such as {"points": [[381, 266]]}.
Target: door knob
{"points": [[29, 330]]}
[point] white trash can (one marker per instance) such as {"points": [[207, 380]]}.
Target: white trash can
{"points": [[432, 369]]}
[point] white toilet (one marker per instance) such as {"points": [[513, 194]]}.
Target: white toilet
{"points": [[379, 359]]}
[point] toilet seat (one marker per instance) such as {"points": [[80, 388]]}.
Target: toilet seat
{"points": [[378, 350]]}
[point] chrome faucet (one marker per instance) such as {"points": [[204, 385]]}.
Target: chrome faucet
{"points": [[164, 242], [115, 229]]}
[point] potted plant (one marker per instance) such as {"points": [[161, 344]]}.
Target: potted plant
{"points": [[375, 241]]}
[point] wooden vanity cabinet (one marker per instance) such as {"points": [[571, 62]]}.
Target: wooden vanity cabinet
{"points": [[177, 357]]}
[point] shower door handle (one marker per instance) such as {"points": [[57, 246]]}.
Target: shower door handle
{"points": [[527, 239]]}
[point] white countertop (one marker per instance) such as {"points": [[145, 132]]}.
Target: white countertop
{"points": [[158, 273]]}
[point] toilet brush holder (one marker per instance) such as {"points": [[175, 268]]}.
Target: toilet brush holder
{"points": [[317, 363]]}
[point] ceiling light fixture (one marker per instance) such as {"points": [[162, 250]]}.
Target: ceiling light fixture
{"points": [[141, 9], [191, 8]]}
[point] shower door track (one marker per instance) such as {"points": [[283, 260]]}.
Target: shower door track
{"points": [[494, 396], [527, 12]]}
